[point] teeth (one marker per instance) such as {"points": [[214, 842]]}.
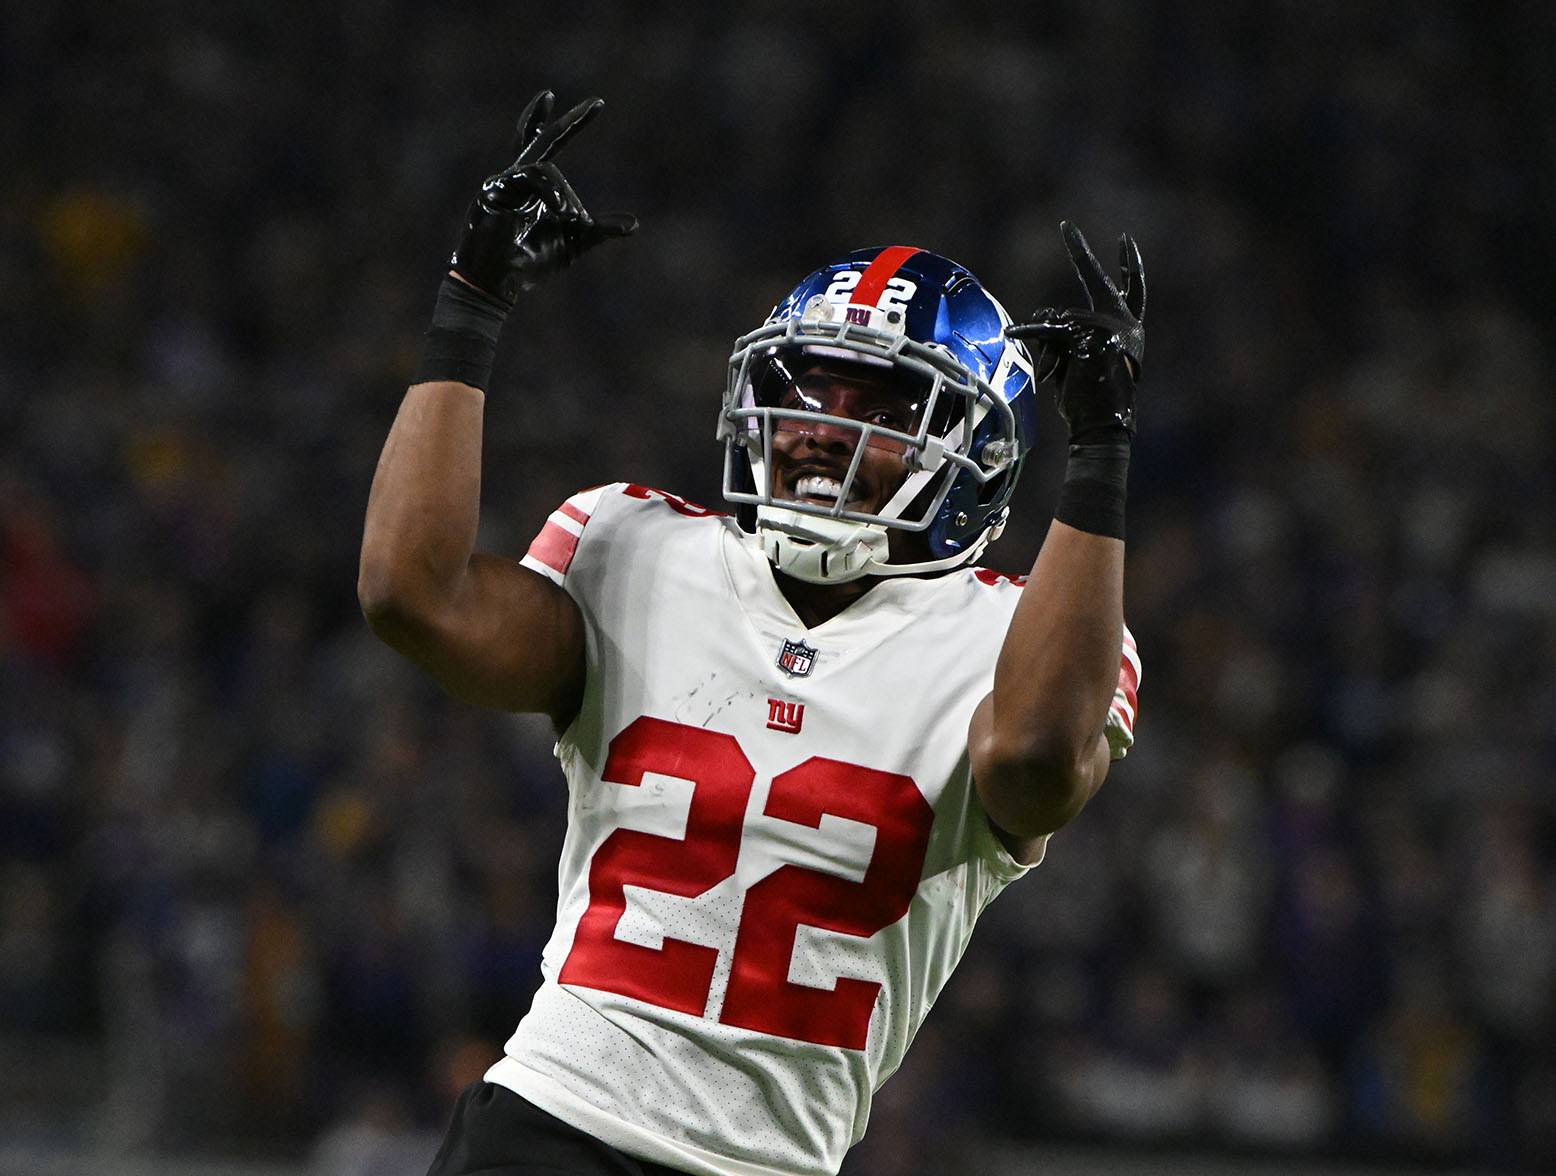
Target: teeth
{"points": [[815, 486]]}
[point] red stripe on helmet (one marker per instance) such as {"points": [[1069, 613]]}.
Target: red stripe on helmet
{"points": [[872, 283]]}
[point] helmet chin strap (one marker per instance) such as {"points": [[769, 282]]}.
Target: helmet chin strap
{"points": [[820, 550]]}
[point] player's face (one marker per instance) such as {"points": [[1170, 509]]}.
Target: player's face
{"points": [[810, 457]]}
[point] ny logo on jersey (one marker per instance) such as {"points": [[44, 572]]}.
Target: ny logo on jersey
{"points": [[785, 716], [796, 658]]}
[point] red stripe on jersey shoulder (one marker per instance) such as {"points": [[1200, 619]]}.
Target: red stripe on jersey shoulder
{"points": [[872, 283], [555, 546], [1129, 666], [1128, 676]]}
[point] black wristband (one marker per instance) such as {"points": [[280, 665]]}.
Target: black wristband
{"points": [[461, 343], [1096, 479]]}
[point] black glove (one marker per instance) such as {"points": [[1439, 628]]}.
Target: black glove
{"points": [[527, 222], [1094, 355]]}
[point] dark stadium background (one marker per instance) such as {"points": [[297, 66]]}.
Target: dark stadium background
{"points": [[267, 898]]}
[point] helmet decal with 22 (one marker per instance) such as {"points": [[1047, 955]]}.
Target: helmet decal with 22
{"points": [[932, 326]]}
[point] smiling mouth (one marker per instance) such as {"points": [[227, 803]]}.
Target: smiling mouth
{"points": [[824, 490]]}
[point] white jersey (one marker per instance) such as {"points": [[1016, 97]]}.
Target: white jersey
{"points": [[774, 854]]}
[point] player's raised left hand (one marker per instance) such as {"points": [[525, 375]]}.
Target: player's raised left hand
{"points": [[527, 222], [1094, 354]]}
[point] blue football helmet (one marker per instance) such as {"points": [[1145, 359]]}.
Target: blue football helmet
{"points": [[934, 326]]}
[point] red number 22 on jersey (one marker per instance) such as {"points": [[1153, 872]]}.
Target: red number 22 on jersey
{"points": [[760, 996]]}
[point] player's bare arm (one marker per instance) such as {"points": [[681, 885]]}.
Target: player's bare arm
{"points": [[489, 630], [1037, 742]]}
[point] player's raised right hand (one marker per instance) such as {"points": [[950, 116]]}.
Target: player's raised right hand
{"points": [[527, 222]]}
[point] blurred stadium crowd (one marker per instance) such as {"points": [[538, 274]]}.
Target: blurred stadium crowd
{"points": [[263, 891]]}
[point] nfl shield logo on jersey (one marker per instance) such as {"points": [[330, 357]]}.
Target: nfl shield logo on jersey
{"points": [[796, 658]]}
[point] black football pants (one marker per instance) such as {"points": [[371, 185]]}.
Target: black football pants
{"points": [[494, 1132]]}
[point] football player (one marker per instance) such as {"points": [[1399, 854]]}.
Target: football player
{"points": [[806, 743]]}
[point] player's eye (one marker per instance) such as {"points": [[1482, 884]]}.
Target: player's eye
{"points": [[890, 418]]}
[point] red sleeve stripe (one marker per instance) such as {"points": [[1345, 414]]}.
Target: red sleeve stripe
{"points": [[1129, 665], [1123, 710], [872, 283], [557, 542], [1129, 672], [1125, 697]]}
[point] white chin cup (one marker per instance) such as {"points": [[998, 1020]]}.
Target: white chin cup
{"points": [[819, 550]]}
